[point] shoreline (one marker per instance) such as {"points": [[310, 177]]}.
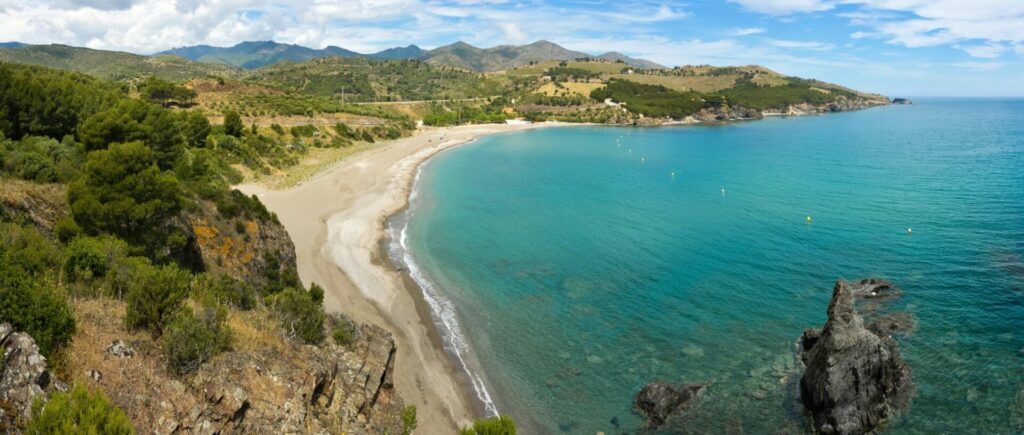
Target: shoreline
{"points": [[337, 221]]}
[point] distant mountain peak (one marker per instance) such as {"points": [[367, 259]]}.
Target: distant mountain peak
{"points": [[459, 54]]}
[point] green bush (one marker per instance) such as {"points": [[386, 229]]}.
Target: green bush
{"points": [[190, 341], [502, 425], [154, 296], [233, 123], [79, 411], [27, 248], [408, 420], [223, 289], [37, 309], [123, 192], [300, 316], [342, 333], [66, 229], [86, 258]]}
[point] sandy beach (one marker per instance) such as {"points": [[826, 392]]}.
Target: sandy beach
{"points": [[336, 220]]}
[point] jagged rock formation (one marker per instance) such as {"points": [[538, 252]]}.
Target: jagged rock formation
{"points": [[265, 385], [660, 401], [23, 378], [855, 378]]}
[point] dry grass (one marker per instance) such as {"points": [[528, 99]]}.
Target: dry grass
{"points": [[316, 161], [573, 88], [255, 330]]}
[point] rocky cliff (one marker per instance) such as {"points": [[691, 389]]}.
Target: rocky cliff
{"points": [[855, 379], [238, 238]]}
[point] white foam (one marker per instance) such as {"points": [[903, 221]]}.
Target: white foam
{"points": [[441, 307]]}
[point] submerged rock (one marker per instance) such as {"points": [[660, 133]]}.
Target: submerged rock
{"points": [[855, 378], [659, 401]]}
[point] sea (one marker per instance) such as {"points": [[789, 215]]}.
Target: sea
{"points": [[568, 267]]}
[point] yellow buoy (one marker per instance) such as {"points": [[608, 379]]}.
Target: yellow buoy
{"points": [[808, 218]]}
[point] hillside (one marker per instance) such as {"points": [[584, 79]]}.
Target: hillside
{"points": [[113, 65], [255, 54], [137, 281], [360, 79]]}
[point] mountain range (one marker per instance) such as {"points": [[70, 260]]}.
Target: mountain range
{"points": [[255, 54]]}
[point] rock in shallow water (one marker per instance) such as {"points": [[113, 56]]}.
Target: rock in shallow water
{"points": [[855, 379], [659, 401]]}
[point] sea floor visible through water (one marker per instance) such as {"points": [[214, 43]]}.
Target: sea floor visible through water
{"points": [[569, 267]]}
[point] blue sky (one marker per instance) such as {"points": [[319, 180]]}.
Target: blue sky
{"points": [[896, 47]]}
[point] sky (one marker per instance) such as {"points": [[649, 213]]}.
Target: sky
{"points": [[895, 47]]}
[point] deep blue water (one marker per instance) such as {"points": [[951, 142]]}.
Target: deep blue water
{"points": [[579, 269]]}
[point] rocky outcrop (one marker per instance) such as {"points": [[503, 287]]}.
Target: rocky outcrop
{"points": [[855, 379], [23, 378], [253, 249], [265, 385], [901, 101], [660, 401], [36, 204]]}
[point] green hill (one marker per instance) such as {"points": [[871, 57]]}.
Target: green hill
{"points": [[361, 79], [113, 65]]}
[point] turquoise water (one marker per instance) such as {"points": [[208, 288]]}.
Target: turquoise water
{"points": [[578, 273]]}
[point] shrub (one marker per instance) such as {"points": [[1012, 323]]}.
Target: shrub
{"points": [[502, 425], [78, 411], [223, 289], [317, 293], [342, 333], [154, 295], [85, 258], [39, 310], [190, 341], [300, 316], [408, 420], [66, 229], [233, 123], [27, 248]]}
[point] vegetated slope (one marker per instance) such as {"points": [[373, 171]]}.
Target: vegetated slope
{"points": [[502, 57], [113, 65], [360, 79], [140, 273]]}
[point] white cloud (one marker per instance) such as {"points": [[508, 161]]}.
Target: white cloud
{"points": [[917, 23], [746, 31], [784, 7], [801, 45], [146, 26], [986, 51], [979, 66]]}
